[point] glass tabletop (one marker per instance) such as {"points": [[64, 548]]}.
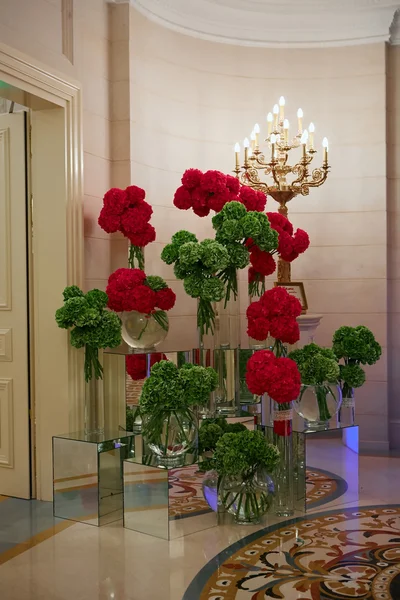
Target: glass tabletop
{"points": [[96, 437]]}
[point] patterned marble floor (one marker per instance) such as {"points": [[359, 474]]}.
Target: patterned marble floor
{"points": [[340, 548]]}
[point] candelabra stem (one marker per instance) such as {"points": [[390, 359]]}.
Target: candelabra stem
{"points": [[284, 271]]}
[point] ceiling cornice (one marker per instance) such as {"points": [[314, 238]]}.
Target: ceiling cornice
{"points": [[278, 23]]}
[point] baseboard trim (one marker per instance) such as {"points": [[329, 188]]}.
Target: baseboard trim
{"points": [[374, 448]]}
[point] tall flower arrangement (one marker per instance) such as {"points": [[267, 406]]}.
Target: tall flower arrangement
{"points": [[128, 212]]}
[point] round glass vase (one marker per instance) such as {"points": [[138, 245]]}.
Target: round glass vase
{"points": [[141, 331], [317, 404], [169, 435], [248, 499]]}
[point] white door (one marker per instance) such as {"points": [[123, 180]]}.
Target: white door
{"points": [[14, 369]]}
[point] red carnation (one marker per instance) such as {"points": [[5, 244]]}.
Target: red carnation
{"points": [[143, 238], [285, 329], [213, 182], [136, 364], [277, 302], [142, 299], [110, 222], [201, 211], [191, 178], [255, 310], [134, 220], [182, 198], [253, 200], [280, 222], [258, 329], [165, 299], [301, 241], [217, 201], [135, 194], [233, 184], [263, 262], [115, 201], [199, 202], [285, 382]]}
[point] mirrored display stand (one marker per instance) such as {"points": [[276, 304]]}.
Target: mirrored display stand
{"points": [[325, 465], [87, 475], [165, 503]]}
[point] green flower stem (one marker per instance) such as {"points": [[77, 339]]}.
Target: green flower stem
{"points": [[229, 277], [347, 391], [324, 413], [167, 436], [92, 363], [160, 316], [257, 287], [205, 317], [136, 254]]}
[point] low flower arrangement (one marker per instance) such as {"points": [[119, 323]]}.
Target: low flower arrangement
{"points": [[236, 229], [355, 346], [166, 402], [133, 290], [92, 327], [319, 369], [290, 245], [197, 263], [128, 212], [210, 431], [211, 190], [244, 461]]}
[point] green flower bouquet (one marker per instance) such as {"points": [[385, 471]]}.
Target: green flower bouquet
{"points": [[234, 227], [197, 263], [320, 394], [355, 346], [93, 326], [167, 400], [244, 461], [210, 431]]}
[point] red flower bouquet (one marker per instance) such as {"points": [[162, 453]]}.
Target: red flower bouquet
{"points": [[290, 246], [131, 290], [275, 315], [128, 212], [136, 364], [211, 190], [278, 377]]}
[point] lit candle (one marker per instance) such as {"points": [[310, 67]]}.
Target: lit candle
{"points": [[253, 139], [257, 132], [304, 140], [286, 128], [281, 108], [237, 154], [275, 110], [270, 118], [273, 142], [246, 145], [325, 145], [311, 129], [300, 120]]}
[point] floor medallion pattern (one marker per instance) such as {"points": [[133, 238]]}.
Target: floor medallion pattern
{"points": [[186, 497], [337, 555]]}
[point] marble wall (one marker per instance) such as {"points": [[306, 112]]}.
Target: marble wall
{"points": [[191, 100]]}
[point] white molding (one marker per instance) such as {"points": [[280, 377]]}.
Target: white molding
{"points": [[395, 29], [5, 222], [6, 350], [6, 424], [274, 23]]}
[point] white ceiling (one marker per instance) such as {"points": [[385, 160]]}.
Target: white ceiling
{"points": [[277, 23]]}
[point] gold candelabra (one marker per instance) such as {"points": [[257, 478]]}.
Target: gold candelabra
{"points": [[285, 181]]}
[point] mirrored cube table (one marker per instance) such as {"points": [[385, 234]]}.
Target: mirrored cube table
{"points": [[165, 503], [87, 475]]}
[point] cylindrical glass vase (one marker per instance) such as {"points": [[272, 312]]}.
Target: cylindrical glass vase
{"points": [[282, 416], [317, 404], [141, 331], [94, 406], [346, 415], [169, 434]]}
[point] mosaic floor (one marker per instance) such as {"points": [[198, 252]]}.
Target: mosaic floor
{"points": [[335, 555]]}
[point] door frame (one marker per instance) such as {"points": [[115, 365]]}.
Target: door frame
{"points": [[56, 106]]}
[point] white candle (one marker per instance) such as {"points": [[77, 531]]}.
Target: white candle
{"points": [[257, 133], [270, 118], [311, 129], [286, 128], [237, 154], [246, 145], [276, 113], [325, 145], [273, 141], [300, 120], [281, 108]]}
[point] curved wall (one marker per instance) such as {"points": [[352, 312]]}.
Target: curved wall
{"points": [[191, 100]]}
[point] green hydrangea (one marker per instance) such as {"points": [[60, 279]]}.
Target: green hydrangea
{"points": [[213, 290], [170, 253], [73, 308], [209, 434], [231, 231], [183, 237], [198, 383], [239, 256], [267, 240], [353, 375], [251, 225], [189, 254], [316, 365], [356, 344], [243, 453], [72, 291], [97, 299], [155, 282], [193, 285], [214, 256], [233, 210]]}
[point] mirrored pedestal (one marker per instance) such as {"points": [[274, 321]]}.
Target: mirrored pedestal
{"points": [[165, 503], [87, 475]]}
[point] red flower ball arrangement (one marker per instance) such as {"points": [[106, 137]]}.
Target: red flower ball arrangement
{"points": [[274, 314], [132, 290], [136, 364], [290, 245], [211, 190], [128, 212]]}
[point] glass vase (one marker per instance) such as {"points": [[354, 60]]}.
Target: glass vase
{"points": [[226, 356], [282, 415], [169, 434], [142, 331], [94, 406], [317, 404], [346, 415], [248, 499]]}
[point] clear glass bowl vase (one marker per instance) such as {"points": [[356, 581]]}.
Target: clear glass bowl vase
{"points": [[142, 331], [169, 434], [317, 404]]}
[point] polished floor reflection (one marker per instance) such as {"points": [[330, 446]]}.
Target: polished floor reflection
{"points": [[42, 558]]}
